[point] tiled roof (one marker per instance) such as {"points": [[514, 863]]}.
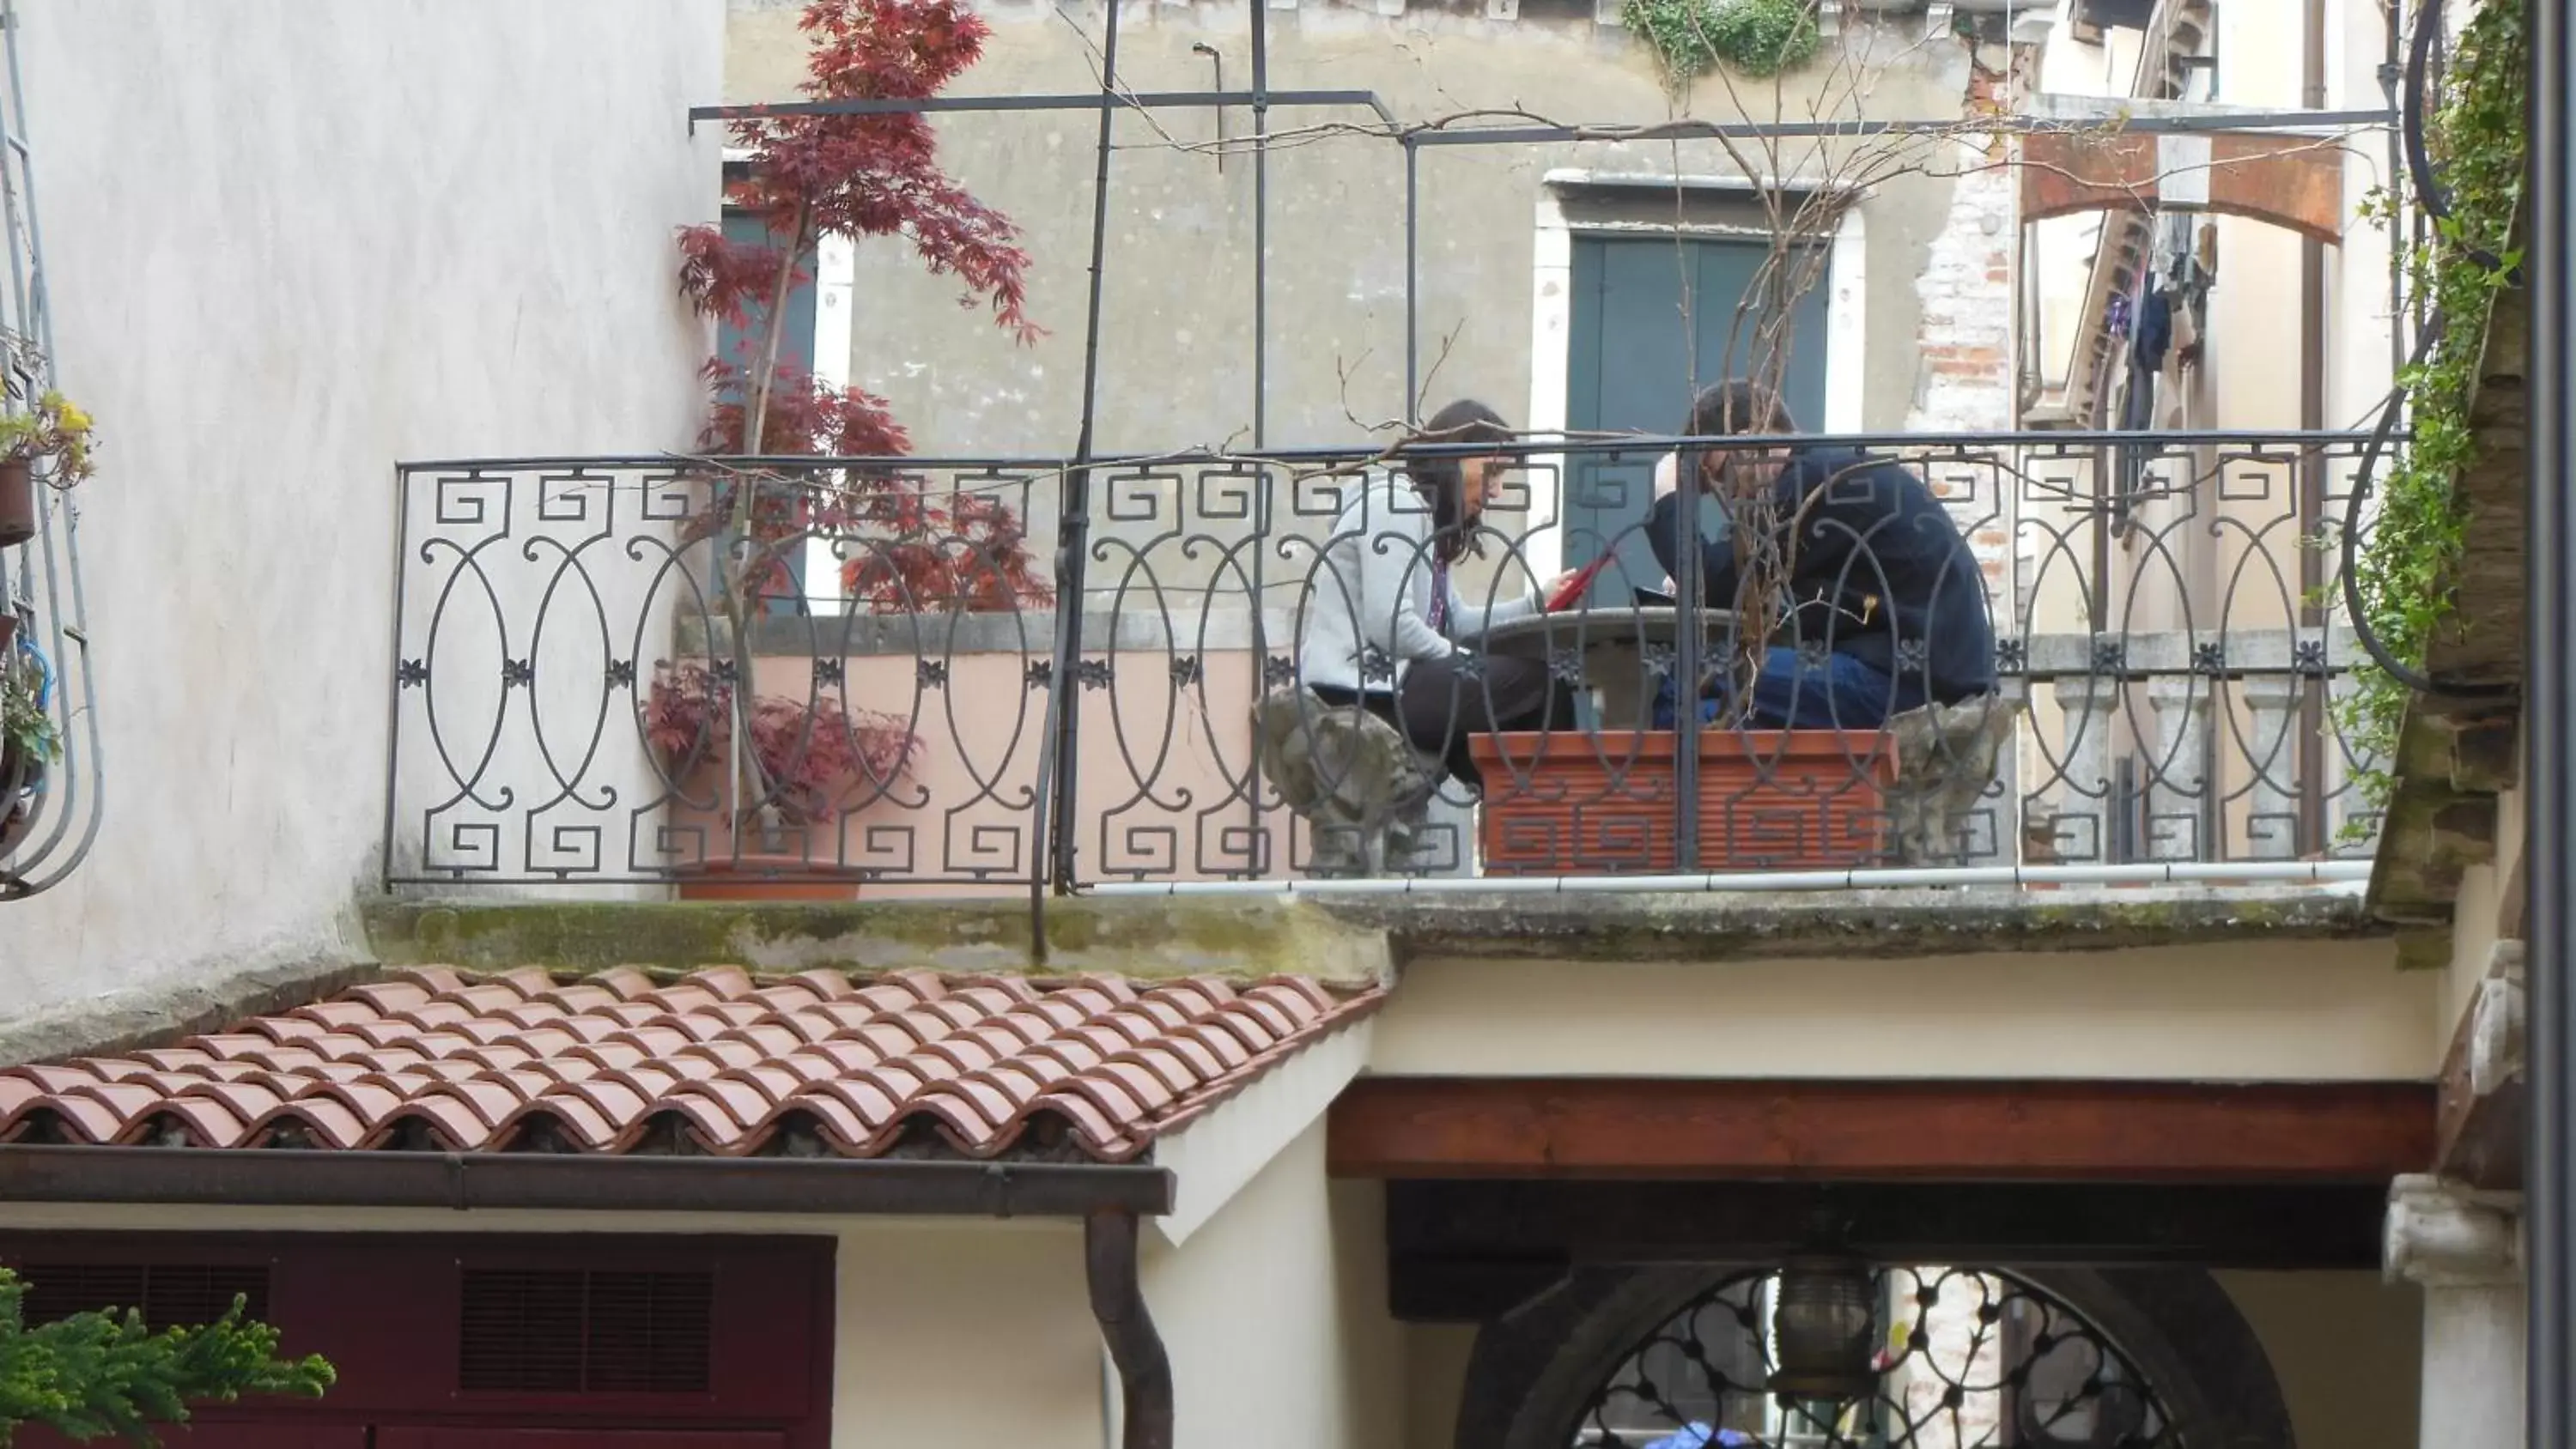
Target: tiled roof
{"points": [[903, 1064]]}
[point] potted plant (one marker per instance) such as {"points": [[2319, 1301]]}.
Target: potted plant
{"points": [[817, 762], [29, 741], [806, 178], [54, 430]]}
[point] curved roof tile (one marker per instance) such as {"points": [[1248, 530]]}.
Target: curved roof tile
{"points": [[589, 1064]]}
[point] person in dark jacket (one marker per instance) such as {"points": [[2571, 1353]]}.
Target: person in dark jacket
{"points": [[1886, 608]]}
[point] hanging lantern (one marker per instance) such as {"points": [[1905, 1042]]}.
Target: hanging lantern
{"points": [[1826, 1322]]}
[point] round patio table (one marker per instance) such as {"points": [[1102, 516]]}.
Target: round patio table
{"points": [[1612, 645]]}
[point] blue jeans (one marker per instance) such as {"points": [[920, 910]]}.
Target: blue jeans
{"points": [[1835, 692]]}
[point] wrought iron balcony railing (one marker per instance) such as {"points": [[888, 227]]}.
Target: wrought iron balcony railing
{"points": [[51, 786], [971, 674]]}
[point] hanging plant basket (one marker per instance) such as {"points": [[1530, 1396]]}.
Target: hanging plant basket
{"points": [[17, 501]]}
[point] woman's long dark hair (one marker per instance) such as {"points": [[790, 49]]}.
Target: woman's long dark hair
{"points": [[1442, 481]]}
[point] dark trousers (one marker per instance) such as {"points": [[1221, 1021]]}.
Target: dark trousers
{"points": [[1836, 692], [1439, 705]]}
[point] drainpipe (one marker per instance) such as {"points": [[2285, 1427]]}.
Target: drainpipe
{"points": [[1109, 1259]]}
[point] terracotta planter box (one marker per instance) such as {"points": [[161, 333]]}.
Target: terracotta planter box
{"points": [[1576, 804]]}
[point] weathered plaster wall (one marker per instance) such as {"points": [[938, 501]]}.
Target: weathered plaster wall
{"points": [[1275, 1315], [1176, 338], [293, 242]]}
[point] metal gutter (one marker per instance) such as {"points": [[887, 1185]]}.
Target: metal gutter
{"points": [[2325, 873], [2134, 116], [466, 1181], [2295, 122]]}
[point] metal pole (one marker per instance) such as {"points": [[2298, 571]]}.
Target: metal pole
{"points": [[1261, 500], [1412, 279], [1260, 220], [1057, 766], [2392, 72], [2308, 825], [1690, 596], [393, 679], [1216, 59], [2550, 848]]}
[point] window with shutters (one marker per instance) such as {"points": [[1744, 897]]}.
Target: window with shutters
{"points": [[483, 1340], [548, 1331], [170, 1295]]}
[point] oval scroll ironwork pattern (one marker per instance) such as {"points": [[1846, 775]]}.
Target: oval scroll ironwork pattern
{"points": [[1967, 1358]]}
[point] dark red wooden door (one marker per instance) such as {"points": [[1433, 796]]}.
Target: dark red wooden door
{"points": [[480, 1341], [479, 1438], [249, 1434]]}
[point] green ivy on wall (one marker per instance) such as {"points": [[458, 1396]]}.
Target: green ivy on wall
{"points": [[1758, 38], [2405, 566]]}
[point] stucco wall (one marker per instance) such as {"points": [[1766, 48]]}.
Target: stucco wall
{"points": [[1275, 1315], [951, 1333], [2344, 1347], [1435, 1379], [293, 242], [1176, 338], [2324, 1011]]}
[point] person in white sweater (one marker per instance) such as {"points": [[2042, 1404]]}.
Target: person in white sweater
{"points": [[1386, 628]]}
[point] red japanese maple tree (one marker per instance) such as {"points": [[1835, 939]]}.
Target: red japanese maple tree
{"points": [[912, 547], [816, 176]]}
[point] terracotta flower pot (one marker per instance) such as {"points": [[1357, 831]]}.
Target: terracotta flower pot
{"points": [[728, 870], [17, 501], [1576, 804], [740, 880], [19, 775]]}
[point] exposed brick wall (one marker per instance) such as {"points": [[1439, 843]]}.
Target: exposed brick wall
{"points": [[1964, 383], [1965, 340]]}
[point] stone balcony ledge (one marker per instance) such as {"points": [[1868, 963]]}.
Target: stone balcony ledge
{"points": [[1343, 939], [1350, 940]]}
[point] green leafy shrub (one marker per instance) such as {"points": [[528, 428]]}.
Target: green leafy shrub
{"points": [[97, 1374], [2403, 570], [1758, 38]]}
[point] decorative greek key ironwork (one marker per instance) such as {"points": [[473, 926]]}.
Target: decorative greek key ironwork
{"points": [[2157, 673]]}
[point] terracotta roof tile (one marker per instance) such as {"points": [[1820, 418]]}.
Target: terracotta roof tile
{"points": [[523, 1060]]}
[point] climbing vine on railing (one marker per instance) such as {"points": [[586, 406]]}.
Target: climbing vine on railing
{"points": [[1757, 38], [2404, 567]]}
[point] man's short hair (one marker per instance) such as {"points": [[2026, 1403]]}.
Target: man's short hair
{"points": [[1736, 407]]}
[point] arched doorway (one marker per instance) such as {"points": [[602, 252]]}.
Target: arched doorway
{"points": [[1957, 1358]]}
